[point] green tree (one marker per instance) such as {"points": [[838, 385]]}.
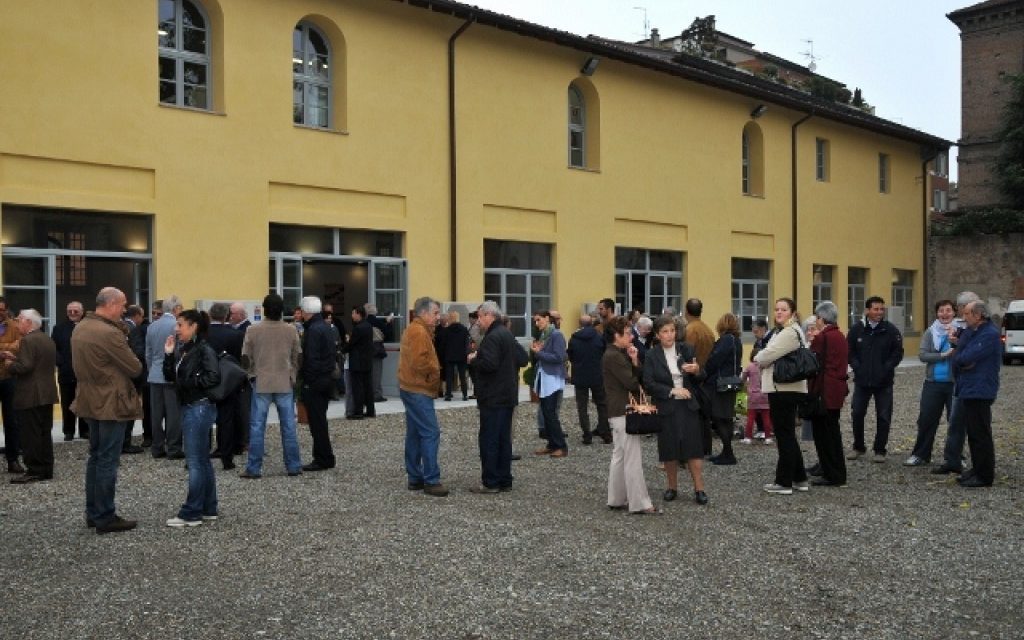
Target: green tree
{"points": [[1010, 164]]}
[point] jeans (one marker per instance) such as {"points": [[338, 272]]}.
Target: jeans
{"points": [[12, 441], [317, 395], [978, 419], [166, 415], [552, 423], [496, 447], [422, 438], [955, 435], [196, 422], [935, 396], [790, 467], [257, 426], [582, 395], [883, 415], [105, 440], [541, 430]]}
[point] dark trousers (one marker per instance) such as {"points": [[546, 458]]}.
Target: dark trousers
{"points": [[583, 394], [953, 452], [451, 369], [362, 394], [828, 442], [883, 415], [229, 427], [978, 416], [147, 414], [552, 422], [37, 440], [316, 396], [67, 395], [723, 427], [496, 446], [790, 467], [935, 396], [12, 439], [243, 411]]}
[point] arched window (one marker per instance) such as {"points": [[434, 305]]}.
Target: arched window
{"points": [[183, 41], [577, 128], [311, 81], [752, 171]]}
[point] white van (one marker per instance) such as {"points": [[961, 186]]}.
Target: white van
{"points": [[1013, 332]]}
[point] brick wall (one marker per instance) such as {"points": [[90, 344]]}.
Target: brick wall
{"points": [[991, 266]]}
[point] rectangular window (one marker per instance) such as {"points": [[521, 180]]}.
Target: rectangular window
{"points": [[938, 200], [517, 275], [883, 173], [941, 165], [821, 159], [856, 292], [649, 280], [751, 290], [822, 283], [903, 296]]}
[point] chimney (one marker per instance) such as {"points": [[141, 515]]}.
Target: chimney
{"points": [[655, 40]]}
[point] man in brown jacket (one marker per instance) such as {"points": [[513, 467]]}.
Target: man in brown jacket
{"points": [[107, 399], [10, 339], [35, 393], [419, 380]]}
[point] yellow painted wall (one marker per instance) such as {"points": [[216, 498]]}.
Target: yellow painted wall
{"points": [[81, 128]]}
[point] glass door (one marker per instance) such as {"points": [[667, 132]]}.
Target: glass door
{"points": [[387, 291], [29, 284], [286, 280]]}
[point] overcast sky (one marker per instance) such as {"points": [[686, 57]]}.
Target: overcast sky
{"points": [[903, 54]]}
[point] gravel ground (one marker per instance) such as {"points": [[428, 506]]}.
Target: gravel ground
{"points": [[350, 553]]}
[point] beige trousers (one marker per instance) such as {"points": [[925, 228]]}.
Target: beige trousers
{"points": [[626, 472]]}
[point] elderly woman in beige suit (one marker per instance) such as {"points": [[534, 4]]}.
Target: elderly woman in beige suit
{"points": [[783, 400]]}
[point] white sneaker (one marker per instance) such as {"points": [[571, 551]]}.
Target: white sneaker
{"points": [[759, 435], [778, 489], [181, 522], [746, 441], [769, 441], [209, 518], [914, 461], [801, 486]]}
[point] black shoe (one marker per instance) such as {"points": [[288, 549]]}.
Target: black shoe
{"points": [[483, 489], [815, 470], [383, 399], [250, 476], [68, 438], [313, 466], [159, 454], [669, 495], [516, 456], [414, 486], [618, 507], [505, 489], [607, 437], [447, 398], [825, 482], [944, 469], [354, 417], [465, 398], [587, 440], [974, 482], [723, 460], [700, 497], [229, 464], [131, 449], [15, 467], [115, 525], [147, 443], [176, 456], [28, 478]]}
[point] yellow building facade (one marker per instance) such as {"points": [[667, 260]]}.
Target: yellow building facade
{"points": [[377, 150]]}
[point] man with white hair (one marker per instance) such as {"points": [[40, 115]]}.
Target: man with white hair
{"points": [[977, 359], [317, 365], [239, 317], [61, 335], [34, 397], [165, 411]]}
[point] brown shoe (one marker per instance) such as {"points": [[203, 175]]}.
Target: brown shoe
{"points": [[437, 490], [115, 525], [559, 453], [543, 451]]}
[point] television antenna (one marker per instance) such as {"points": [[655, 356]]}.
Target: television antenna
{"points": [[647, 24], [812, 60]]}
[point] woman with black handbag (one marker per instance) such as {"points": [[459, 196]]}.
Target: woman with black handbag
{"points": [[783, 399], [672, 377], [723, 381], [830, 386]]}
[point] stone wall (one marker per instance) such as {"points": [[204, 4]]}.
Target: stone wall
{"points": [[991, 266]]}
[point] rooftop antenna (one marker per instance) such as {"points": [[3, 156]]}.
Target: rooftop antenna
{"points": [[647, 25], [812, 59]]}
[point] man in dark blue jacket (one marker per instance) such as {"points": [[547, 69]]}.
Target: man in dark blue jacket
{"points": [[586, 348], [318, 349], [977, 359], [360, 365], [224, 338], [876, 349]]}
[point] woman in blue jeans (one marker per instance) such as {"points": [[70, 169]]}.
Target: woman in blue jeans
{"points": [[193, 370]]}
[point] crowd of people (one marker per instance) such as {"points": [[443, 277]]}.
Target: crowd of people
{"points": [[114, 367]]}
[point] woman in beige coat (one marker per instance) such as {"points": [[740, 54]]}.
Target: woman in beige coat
{"points": [[783, 400]]}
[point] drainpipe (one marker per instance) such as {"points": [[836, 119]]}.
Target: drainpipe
{"points": [[924, 230], [795, 230], [453, 215]]}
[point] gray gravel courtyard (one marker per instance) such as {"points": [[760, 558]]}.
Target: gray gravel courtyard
{"points": [[350, 553]]}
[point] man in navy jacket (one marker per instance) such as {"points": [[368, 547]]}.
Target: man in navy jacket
{"points": [[586, 348], [977, 359], [876, 349]]}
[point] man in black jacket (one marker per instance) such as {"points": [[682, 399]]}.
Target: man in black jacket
{"points": [[317, 365], [360, 365], [876, 349], [66, 380], [586, 348], [496, 364], [137, 342], [224, 338]]}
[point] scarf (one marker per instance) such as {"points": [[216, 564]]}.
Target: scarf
{"points": [[939, 332]]}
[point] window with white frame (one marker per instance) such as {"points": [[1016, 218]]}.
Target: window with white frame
{"points": [[821, 159], [884, 179], [648, 279], [822, 283], [941, 165], [517, 275], [856, 292], [903, 296], [311, 77], [183, 42], [751, 290], [577, 128]]}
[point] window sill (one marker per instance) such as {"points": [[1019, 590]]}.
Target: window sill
{"points": [[178, 107], [753, 195], [583, 169], [306, 127]]}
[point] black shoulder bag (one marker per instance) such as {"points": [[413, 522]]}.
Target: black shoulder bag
{"points": [[797, 365], [730, 384]]}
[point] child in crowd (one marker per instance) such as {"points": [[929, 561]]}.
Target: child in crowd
{"points": [[757, 402]]}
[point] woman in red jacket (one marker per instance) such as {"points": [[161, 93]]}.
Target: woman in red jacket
{"points": [[831, 349]]}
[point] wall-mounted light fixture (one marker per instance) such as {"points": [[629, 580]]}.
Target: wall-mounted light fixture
{"points": [[590, 66], [758, 111]]}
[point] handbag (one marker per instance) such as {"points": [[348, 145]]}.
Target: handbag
{"points": [[797, 365], [232, 375], [641, 416], [730, 384]]}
